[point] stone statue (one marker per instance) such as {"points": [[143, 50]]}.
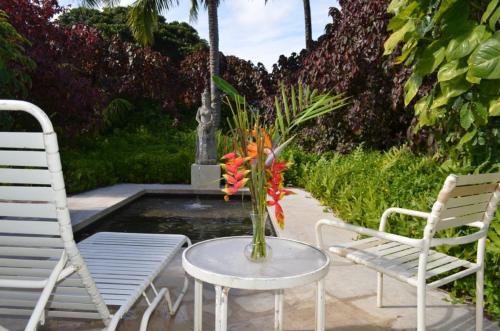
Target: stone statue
{"points": [[206, 147]]}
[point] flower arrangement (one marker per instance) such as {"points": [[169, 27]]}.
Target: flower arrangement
{"points": [[256, 143]]}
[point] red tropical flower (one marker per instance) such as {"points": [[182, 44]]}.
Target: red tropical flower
{"points": [[276, 190], [235, 174]]}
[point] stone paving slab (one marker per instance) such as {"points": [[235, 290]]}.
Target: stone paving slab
{"points": [[350, 289]]}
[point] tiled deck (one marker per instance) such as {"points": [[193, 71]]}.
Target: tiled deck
{"points": [[350, 288]]}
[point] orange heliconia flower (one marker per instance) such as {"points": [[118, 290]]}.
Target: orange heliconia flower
{"points": [[252, 146]]}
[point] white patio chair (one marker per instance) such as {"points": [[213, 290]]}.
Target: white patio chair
{"points": [[463, 200], [42, 271]]}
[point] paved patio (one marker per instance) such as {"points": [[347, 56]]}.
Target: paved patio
{"points": [[350, 288]]}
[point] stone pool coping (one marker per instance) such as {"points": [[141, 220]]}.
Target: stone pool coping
{"points": [[88, 207]]}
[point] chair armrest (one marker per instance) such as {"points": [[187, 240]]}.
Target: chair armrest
{"points": [[365, 231], [394, 210]]}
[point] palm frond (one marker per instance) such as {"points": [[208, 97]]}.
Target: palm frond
{"points": [[143, 18], [193, 12], [195, 6], [91, 3]]}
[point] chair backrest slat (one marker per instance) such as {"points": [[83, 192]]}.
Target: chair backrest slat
{"points": [[464, 210], [23, 227], [467, 199], [23, 158], [27, 193], [34, 241], [462, 191], [454, 222], [29, 210], [25, 176], [25, 140]]}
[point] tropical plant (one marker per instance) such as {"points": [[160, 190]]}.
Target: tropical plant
{"points": [[457, 42], [251, 80], [60, 83], [15, 65], [257, 143], [348, 59]]}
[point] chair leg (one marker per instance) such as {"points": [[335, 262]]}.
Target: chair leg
{"points": [[479, 299], [421, 300], [163, 294], [380, 288]]}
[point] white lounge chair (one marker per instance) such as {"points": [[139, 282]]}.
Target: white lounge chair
{"points": [[463, 200], [42, 271]]}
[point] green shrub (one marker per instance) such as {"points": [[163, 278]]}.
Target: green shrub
{"points": [[148, 152], [360, 186]]}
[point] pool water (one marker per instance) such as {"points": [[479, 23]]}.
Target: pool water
{"points": [[198, 217]]}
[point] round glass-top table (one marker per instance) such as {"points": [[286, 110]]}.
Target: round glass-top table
{"points": [[221, 262]]}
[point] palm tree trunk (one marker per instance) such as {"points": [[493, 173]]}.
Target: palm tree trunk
{"points": [[213, 36], [307, 18]]}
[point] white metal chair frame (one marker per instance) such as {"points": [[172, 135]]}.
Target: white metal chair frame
{"points": [[456, 206], [70, 261]]}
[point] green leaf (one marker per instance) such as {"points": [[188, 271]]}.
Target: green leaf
{"points": [[494, 19], [491, 7], [431, 58], [471, 78], [402, 17], [407, 49], [485, 61], [440, 101], [467, 137], [454, 87], [227, 88], [451, 70], [494, 109], [465, 43], [393, 40], [396, 5], [454, 21], [422, 105], [480, 113], [443, 8], [411, 87]]}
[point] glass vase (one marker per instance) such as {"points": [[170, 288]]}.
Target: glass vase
{"points": [[258, 250]]}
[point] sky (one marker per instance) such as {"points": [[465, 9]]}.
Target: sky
{"points": [[252, 30]]}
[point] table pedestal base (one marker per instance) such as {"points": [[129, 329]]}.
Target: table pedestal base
{"points": [[221, 298]]}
